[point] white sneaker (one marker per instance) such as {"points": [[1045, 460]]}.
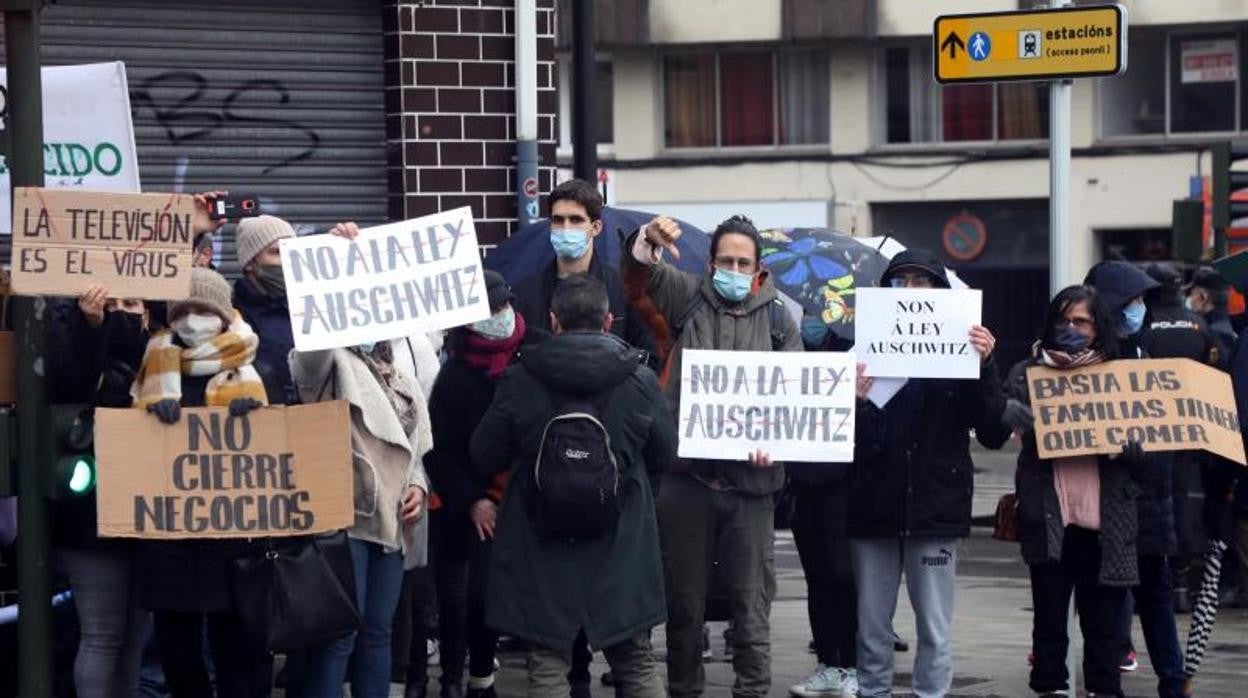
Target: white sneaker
{"points": [[431, 652], [828, 681]]}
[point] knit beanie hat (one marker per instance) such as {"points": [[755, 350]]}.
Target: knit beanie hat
{"points": [[209, 289], [255, 234]]}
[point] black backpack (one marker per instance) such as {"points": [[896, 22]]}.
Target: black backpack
{"points": [[576, 474]]}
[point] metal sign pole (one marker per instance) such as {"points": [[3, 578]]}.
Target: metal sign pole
{"points": [[1059, 184], [1059, 275]]}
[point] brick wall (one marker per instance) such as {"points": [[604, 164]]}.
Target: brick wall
{"points": [[450, 108]]}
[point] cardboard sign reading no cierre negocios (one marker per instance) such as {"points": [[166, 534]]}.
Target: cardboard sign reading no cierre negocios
{"points": [[1165, 404], [277, 471]]}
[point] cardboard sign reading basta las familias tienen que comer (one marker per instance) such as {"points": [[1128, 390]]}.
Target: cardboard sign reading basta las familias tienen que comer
{"points": [[276, 471], [1165, 404], [67, 240]]}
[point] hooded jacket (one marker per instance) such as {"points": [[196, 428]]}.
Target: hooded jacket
{"points": [[663, 294], [269, 317], [612, 587], [1118, 282], [912, 473]]}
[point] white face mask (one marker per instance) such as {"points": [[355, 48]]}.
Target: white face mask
{"points": [[196, 329]]}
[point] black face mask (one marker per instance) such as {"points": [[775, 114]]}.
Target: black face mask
{"points": [[270, 279], [1069, 340], [125, 335]]}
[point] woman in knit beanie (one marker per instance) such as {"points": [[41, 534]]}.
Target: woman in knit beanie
{"points": [[203, 359]]}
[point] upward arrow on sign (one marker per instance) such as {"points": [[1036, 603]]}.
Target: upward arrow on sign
{"points": [[952, 43]]}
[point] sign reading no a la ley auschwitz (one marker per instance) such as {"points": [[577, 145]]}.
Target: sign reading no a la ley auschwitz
{"points": [[793, 406], [391, 281]]}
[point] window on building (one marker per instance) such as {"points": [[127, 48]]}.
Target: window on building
{"points": [[604, 102], [741, 98], [918, 110], [1177, 83]]}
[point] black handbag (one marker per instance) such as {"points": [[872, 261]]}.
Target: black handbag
{"points": [[300, 592]]}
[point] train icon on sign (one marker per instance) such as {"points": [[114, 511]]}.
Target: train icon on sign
{"points": [[1029, 44]]}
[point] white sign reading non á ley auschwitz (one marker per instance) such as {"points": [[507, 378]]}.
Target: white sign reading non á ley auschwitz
{"points": [[392, 281], [917, 333], [793, 406]]}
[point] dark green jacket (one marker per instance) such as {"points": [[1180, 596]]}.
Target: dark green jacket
{"points": [[545, 591], [714, 324]]}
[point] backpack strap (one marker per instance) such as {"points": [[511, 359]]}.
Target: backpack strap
{"points": [[678, 328], [775, 318]]}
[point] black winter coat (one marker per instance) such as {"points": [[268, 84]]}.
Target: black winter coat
{"points": [[533, 295], [87, 365], [269, 318], [912, 473], [460, 396], [1040, 515], [545, 591], [190, 575]]}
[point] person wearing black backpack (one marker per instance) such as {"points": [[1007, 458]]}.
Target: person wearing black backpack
{"points": [[582, 426], [728, 502]]}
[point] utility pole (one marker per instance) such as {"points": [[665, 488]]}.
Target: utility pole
{"points": [[584, 139], [25, 161]]}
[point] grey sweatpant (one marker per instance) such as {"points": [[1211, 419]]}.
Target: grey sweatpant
{"points": [[929, 565]]}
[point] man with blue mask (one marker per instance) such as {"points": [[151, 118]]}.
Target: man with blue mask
{"points": [[575, 224], [725, 503], [1123, 285]]}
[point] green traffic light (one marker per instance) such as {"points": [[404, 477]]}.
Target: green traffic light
{"points": [[82, 476]]}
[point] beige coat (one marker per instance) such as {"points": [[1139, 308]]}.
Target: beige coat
{"points": [[385, 460]]}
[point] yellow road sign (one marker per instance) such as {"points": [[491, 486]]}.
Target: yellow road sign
{"points": [[1066, 42]]}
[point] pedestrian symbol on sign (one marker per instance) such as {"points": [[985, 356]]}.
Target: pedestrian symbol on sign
{"points": [[980, 46], [1029, 43]]}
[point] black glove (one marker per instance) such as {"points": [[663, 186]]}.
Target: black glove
{"points": [[1133, 452], [1018, 416], [167, 411], [243, 405]]}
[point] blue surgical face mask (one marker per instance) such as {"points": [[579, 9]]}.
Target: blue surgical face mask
{"points": [[500, 325], [732, 286], [570, 243], [814, 332], [1187, 303], [1133, 318], [367, 347]]}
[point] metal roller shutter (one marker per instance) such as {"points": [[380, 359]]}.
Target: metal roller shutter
{"points": [[284, 100]]}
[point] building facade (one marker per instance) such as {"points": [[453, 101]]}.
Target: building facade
{"points": [[826, 114]]}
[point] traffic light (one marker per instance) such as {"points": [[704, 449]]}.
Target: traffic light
{"points": [[73, 452], [1226, 183]]}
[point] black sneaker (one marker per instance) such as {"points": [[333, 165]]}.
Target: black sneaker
{"points": [[481, 693], [900, 645]]}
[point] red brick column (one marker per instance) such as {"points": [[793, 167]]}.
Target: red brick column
{"points": [[450, 108]]}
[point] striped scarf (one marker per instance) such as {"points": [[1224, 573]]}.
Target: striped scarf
{"points": [[1054, 358], [227, 358]]}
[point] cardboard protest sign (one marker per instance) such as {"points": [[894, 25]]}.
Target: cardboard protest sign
{"points": [[917, 332], [276, 471], [138, 245], [794, 406], [1165, 404], [392, 281], [87, 132]]}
